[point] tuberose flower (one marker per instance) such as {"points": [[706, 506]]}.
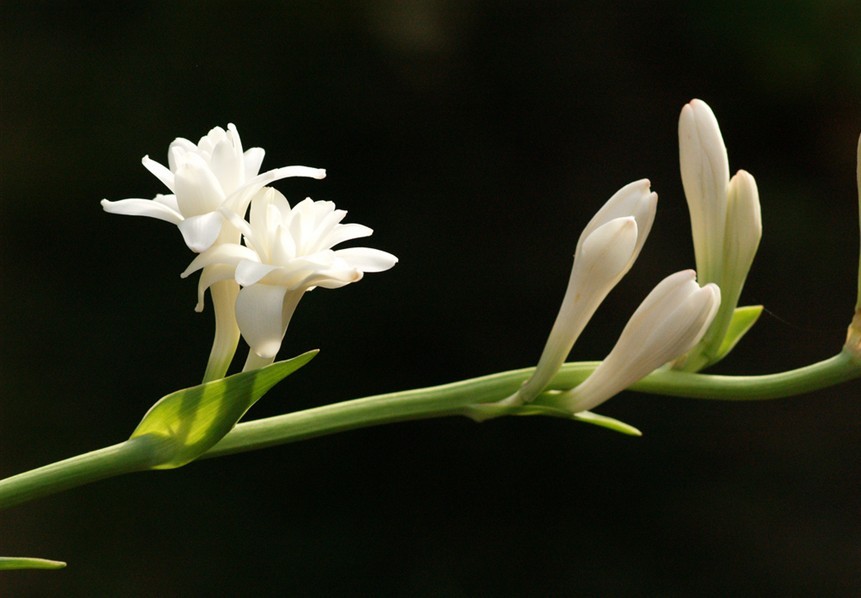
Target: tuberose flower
{"points": [[725, 221], [287, 251], [669, 321], [205, 178], [606, 250]]}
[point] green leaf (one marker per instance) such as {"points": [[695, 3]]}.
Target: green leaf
{"points": [[483, 411], [607, 422], [743, 319], [8, 563], [190, 421]]}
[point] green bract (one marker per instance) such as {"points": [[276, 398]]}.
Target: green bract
{"points": [[190, 421]]}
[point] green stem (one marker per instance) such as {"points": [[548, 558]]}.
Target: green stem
{"points": [[829, 372], [449, 399], [137, 454], [452, 399]]}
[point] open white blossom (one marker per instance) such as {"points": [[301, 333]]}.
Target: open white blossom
{"points": [[205, 179], [287, 251], [605, 252], [725, 221], [669, 321]]}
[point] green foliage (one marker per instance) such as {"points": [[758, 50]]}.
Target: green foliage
{"points": [[190, 421], [8, 563]]}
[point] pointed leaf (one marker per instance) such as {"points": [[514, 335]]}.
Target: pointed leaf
{"points": [[190, 421], [607, 422], [486, 411], [743, 319], [7, 563]]}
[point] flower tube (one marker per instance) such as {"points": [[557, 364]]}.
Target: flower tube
{"points": [[669, 321], [288, 252], [605, 252]]}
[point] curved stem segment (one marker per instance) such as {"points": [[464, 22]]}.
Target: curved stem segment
{"points": [[143, 452], [455, 398]]}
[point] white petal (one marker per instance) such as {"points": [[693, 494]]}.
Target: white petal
{"points": [[142, 207], [606, 254], [227, 166], [200, 232], [367, 259], [237, 222], [668, 294], [249, 272], [197, 189], [671, 320], [224, 253], [167, 200], [160, 172], [208, 277], [603, 259], [346, 232], [743, 233], [239, 199], [259, 310], [253, 159], [681, 329], [177, 152], [634, 200]]}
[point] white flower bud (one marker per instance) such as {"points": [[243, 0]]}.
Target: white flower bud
{"points": [[606, 250], [725, 222], [705, 176], [669, 321]]}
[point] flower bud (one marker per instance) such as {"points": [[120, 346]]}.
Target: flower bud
{"points": [[606, 250], [725, 222], [705, 176], [669, 321]]}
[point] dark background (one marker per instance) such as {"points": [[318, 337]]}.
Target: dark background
{"points": [[476, 138]]}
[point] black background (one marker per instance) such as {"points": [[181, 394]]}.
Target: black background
{"points": [[476, 138]]}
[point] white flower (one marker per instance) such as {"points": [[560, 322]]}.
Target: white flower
{"points": [[725, 221], [669, 321], [287, 251], [203, 179], [605, 252]]}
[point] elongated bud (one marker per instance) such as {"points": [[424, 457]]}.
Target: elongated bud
{"points": [[669, 321], [606, 250], [743, 233], [726, 226], [705, 175]]}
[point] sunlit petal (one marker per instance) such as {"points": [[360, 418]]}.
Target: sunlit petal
{"points": [[142, 207], [367, 259], [160, 172]]}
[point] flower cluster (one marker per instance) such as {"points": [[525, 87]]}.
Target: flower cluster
{"points": [[287, 251], [257, 269], [680, 322]]}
